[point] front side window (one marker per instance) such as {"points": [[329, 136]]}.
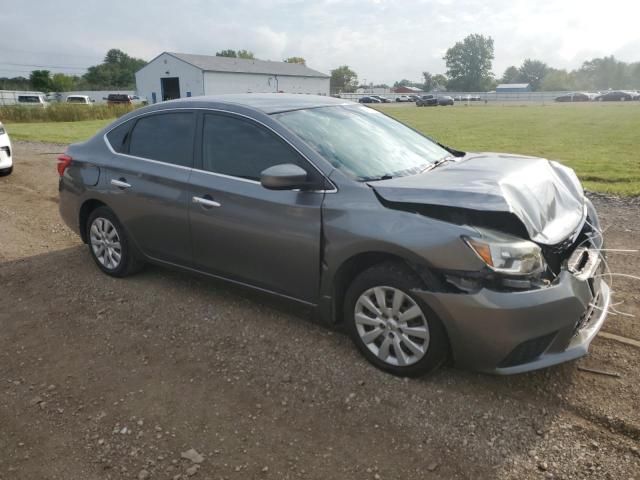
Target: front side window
{"points": [[165, 137], [241, 148], [362, 142]]}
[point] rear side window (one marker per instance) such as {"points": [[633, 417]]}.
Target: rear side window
{"points": [[240, 148], [118, 137], [28, 99], [166, 137]]}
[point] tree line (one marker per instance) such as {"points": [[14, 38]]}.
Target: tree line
{"points": [[469, 69]]}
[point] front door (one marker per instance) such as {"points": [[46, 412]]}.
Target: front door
{"points": [[242, 231]]}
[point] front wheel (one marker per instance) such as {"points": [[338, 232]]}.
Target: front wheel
{"points": [[6, 171], [392, 327]]}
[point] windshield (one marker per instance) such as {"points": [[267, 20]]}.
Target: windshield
{"points": [[362, 142]]}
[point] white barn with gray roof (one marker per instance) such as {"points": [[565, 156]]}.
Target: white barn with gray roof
{"points": [[179, 75]]}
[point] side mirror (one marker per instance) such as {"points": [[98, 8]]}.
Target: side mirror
{"points": [[285, 176]]}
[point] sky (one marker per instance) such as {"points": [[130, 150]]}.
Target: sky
{"points": [[381, 40]]}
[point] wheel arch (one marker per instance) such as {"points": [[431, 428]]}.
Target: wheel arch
{"points": [[86, 208], [351, 267]]}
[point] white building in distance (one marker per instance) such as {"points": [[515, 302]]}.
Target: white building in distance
{"points": [[177, 75]]}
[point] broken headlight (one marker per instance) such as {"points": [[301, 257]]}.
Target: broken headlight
{"points": [[509, 257]]}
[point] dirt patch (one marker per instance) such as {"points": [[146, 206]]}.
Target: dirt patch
{"points": [[105, 378]]}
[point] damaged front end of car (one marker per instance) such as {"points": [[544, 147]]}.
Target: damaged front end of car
{"points": [[539, 298]]}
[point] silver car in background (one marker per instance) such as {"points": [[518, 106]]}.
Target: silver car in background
{"points": [[422, 252]]}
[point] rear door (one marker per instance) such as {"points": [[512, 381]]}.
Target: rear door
{"points": [[242, 231], [148, 182]]}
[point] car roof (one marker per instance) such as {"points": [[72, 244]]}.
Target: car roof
{"points": [[266, 102]]}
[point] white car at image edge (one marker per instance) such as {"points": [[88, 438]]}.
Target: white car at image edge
{"points": [[6, 162]]}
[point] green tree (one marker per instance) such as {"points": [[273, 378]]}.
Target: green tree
{"points": [[62, 83], [343, 79], [469, 63], [246, 54], [15, 83], [511, 75], [299, 60], [40, 80], [403, 83], [532, 72], [556, 80], [117, 71], [440, 82], [428, 82], [604, 73], [227, 53]]}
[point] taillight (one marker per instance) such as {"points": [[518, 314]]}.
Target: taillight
{"points": [[63, 162]]}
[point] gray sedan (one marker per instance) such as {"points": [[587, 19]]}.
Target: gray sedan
{"points": [[422, 252]]}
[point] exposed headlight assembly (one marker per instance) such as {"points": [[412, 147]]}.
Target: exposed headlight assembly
{"points": [[518, 257]]}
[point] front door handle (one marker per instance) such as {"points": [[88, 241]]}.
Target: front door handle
{"points": [[120, 183], [206, 201]]}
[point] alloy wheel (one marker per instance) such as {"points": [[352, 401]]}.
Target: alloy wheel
{"points": [[105, 243], [392, 325]]}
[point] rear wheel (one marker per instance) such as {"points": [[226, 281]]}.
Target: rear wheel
{"points": [[6, 171], [392, 327], [110, 246]]}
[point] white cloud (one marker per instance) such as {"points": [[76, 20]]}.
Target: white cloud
{"points": [[382, 40]]}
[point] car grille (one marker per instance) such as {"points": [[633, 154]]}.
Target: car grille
{"points": [[556, 255]]}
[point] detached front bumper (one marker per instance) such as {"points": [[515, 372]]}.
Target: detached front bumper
{"points": [[514, 332]]}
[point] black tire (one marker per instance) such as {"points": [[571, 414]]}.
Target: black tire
{"points": [[400, 277], [130, 260], [6, 171]]}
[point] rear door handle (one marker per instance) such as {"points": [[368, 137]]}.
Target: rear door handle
{"points": [[206, 201], [120, 183]]}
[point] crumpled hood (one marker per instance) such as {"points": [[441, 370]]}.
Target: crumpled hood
{"points": [[546, 196]]}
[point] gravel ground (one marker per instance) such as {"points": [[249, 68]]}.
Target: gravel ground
{"points": [[166, 375]]}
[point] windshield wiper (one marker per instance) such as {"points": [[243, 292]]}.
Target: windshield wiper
{"points": [[437, 163], [386, 176]]}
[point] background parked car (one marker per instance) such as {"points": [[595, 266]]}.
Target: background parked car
{"points": [[617, 96], [427, 101], [32, 100], [382, 99], [118, 99], [445, 100], [574, 97], [414, 98], [79, 100], [369, 100], [6, 162], [403, 98]]}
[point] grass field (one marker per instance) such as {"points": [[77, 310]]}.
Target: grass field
{"points": [[55, 132], [600, 141]]}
